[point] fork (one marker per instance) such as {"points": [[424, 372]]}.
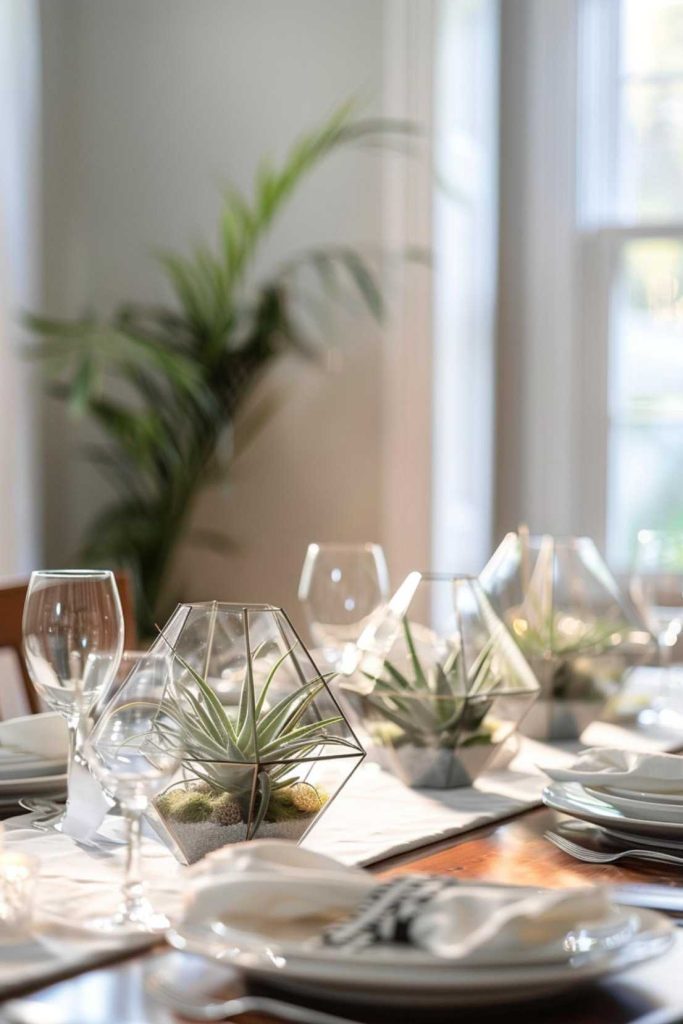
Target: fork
{"points": [[609, 857], [227, 1009]]}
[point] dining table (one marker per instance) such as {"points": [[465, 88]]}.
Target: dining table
{"points": [[512, 851]]}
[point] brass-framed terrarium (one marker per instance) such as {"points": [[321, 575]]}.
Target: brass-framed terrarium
{"points": [[266, 745], [576, 629], [444, 687]]}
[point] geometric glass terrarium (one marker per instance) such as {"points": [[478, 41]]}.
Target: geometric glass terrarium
{"points": [[566, 612], [445, 687], [266, 746]]}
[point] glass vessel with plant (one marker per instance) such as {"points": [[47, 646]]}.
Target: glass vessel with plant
{"points": [[569, 618], [448, 688], [265, 744], [164, 383]]}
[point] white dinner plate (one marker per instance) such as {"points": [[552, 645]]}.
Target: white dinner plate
{"points": [[36, 784], [572, 798], [642, 795], [670, 845], [636, 808], [410, 977], [29, 767]]}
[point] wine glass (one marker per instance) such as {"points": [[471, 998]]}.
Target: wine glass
{"points": [[657, 586], [73, 640], [133, 755], [341, 586]]}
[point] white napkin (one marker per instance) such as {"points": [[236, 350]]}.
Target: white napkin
{"points": [[274, 889], [44, 735], [265, 884], [495, 924], [625, 769], [86, 806]]}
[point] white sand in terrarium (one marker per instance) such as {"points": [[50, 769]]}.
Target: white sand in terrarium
{"points": [[196, 839]]}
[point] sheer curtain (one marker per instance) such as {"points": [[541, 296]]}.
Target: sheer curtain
{"points": [[19, 206]]}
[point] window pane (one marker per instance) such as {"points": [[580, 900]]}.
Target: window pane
{"points": [[651, 158], [645, 486], [652, 36]]}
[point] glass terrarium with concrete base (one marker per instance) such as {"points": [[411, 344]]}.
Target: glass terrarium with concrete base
{"points": [[577, 631], [448, 688], [266, 745]]}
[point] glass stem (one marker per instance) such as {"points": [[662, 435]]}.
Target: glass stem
{"points": [[132, 886], [664, 654], [72, 733]]}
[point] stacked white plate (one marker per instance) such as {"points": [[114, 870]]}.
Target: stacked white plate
{"points": [[652, 818], [402, 976], [33, 758]]}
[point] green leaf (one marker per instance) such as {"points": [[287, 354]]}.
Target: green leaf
{"points": [[420, 678], [263, 799]]}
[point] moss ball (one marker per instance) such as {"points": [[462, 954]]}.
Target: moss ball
{"points": [[194, 807], [226, 810], [167, 802], [304, 797]]}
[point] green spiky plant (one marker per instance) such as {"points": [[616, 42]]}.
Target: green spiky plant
{"points": [[221, 747], [164, 383], [551, 650], [437, 706]]}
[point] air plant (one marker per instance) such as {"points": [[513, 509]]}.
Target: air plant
{"points": [[568, 645], [443, 705], [248, 760]]}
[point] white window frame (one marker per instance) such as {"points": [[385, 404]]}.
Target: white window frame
{"points": [[603, 235], [559, 257]]}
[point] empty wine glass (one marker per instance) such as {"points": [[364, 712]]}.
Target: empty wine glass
{"points": [[341, 586], [130, 754], [73, 639], [657, 586]]}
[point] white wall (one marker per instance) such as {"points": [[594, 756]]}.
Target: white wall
{"points": [[149, 106]]}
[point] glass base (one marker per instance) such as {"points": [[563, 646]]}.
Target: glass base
{"points": [[48, 815], [140, 918]]}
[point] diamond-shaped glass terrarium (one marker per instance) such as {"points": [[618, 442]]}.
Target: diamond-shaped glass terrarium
{"points": [[443, 686], [266, 745], [570, 620]]}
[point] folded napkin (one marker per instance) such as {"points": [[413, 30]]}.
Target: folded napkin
{"points": [[43, 735], [279, 891], [625, 769]]}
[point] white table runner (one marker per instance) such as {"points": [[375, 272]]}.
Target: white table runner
{"points": [[373, 817]]}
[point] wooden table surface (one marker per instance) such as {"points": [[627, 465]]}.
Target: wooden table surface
{"points": [[514, 852]]}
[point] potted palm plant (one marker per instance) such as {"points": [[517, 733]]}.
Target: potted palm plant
{"points": [[165, 383]]}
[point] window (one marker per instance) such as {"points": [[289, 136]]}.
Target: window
{"points": [[631, 204]]}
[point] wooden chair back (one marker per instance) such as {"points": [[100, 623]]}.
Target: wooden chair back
{"points": [[12, 597]]}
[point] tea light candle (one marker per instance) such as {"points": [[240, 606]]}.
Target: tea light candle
{"points": [[17, 885]]}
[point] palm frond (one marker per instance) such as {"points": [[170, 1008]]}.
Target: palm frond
{"points": [[164, 382]]}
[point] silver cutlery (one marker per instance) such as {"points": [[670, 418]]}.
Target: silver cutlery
{"points": [[590, 856], [202, 1010], [47, 813]]}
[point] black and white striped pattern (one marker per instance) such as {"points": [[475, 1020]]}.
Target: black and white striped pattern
{"points": [[387, 912]]}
